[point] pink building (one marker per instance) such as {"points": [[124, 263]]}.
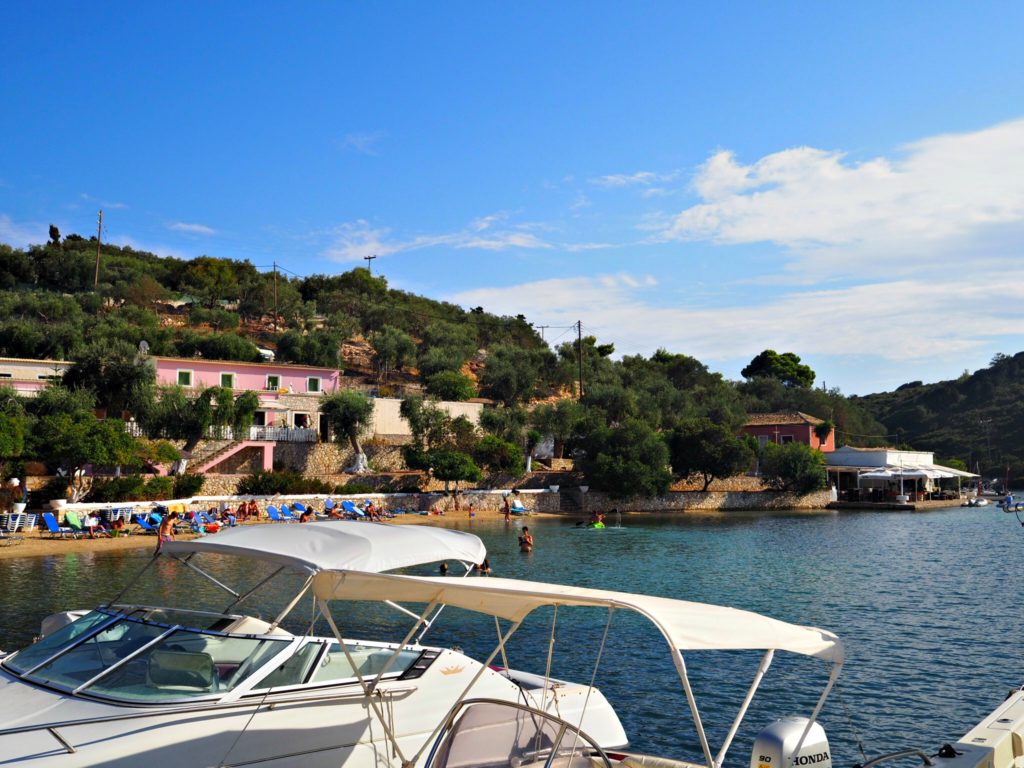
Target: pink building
{"points": [[289, 394], [784, 428], [28, 377]]}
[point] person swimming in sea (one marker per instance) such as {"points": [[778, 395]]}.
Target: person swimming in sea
{"points": [[526, 540]]}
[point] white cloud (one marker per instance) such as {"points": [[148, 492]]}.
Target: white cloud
{"points": [[929, 205], [21, 234], [364, 143], [104, 204], [581, 202], [191, 229], [895, 326], [640, 178], [356, 240]]}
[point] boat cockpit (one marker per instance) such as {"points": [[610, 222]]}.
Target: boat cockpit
{"points": [[144, 655]]}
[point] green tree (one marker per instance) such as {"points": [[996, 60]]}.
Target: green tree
{"points": [[450, 385], [511, 374], [500, 455], [785, 367], [627, 461], [12, 435], [121, 379], [506, 423], [561, 421], [392, 348], [454, 466], [712, 450], [793, 467], [177, 416], [823, 430], [243, 413], [76, 439], [350, 413], [318, 347]]}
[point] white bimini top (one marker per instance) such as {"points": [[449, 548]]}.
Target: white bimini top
{"points": [[339, 544], [685, 625]]}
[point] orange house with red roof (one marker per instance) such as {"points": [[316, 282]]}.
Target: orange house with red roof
{"points": [[781, 428]]}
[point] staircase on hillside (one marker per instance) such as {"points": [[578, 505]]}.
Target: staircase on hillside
{"points": [[207, 458], [568, 502], [207, 449]]}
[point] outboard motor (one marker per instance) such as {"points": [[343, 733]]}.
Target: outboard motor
{"points": [[775, 746]]}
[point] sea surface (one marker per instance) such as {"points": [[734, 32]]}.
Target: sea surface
{"points": [[926, 604]]}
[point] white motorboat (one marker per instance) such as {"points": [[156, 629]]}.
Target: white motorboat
{"points": [[125, 684], [128, 683]]}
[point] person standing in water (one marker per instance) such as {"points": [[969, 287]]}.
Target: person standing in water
{"points": [[166, 531], [526, 540]]}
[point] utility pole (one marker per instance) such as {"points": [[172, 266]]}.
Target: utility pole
{"points": [[369, 263], [542, 327], [275, 297], [579, 348], [99, 238]]}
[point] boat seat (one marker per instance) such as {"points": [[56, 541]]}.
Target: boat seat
{"points": [[182, 671], [375, 662]]}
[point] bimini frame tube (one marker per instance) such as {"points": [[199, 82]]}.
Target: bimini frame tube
{"points": [[677, 659], [766, 662], [833, 676], [295, 601], [370, 689]]}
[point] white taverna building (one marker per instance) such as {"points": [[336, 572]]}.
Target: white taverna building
{"points": [[886, 474]]}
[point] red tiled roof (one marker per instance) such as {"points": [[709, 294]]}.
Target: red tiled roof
{"points": [[772, 419]]}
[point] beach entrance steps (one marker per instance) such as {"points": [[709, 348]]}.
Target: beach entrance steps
{"points": [[211, 461]]}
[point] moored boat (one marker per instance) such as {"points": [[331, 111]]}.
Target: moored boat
{"points": [[128, 683]]}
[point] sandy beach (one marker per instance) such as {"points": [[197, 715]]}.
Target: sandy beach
{"points": [[35, 544]]}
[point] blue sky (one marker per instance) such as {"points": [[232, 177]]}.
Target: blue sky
{"points": [[842, 181]]}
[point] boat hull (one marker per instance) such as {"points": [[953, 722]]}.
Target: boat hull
{"points": [[328, 726]]}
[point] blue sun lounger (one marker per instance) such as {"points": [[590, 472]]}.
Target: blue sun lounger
{"points": [[55, 529], [352, 509]]}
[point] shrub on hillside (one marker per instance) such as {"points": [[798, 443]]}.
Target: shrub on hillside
{"points": [[280, 483], [131, 488], [450, 385], [793, 467], [500, 455], [187, 485]]}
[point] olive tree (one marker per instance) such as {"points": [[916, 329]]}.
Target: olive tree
{"points": [[349, 412]]}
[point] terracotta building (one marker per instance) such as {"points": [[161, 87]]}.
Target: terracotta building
{"points": [[781, 428]]}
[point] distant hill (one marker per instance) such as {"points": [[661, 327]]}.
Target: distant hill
{"points": [[978, 418]]}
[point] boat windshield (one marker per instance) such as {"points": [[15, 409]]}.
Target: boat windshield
{"points": [[134, 659]]}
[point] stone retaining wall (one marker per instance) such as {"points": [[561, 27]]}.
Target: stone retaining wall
{"points": [[548, 502]]}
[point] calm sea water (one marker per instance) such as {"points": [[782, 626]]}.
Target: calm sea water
{"points": [[926, 604]]}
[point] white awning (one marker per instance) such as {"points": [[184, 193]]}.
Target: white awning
{"points": [[687, 626], [932, 471], [271, 405], [338, 544]]}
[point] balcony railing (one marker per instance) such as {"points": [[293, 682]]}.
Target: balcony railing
{"points": [[276, 434]]}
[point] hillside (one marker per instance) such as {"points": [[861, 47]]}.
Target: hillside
{"points": [[400, 343], [978, 418], [225, 309]]}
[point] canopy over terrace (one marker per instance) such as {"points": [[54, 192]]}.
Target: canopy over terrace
{"points": [[876, 468]]}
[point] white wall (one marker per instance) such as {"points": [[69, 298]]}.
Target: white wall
{"points": [[387, 421]]}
